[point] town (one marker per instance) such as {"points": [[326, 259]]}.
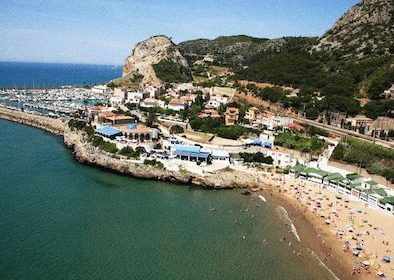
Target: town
{"points": [[188, 128]]}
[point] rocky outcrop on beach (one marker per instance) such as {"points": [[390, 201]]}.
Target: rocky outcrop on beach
{"points": [[139, 66], [55, 126], [84, 152]]}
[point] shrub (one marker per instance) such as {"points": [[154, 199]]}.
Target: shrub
{"points": [[297, 142], [176, 129], [129, 152], [256, 157], [154, 163], [76, 124]]}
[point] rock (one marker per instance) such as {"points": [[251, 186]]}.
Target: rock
{"points": [[84, 152], [150, 52], [367, 28]]}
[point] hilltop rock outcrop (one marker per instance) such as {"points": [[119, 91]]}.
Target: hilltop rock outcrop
{"points": [[140, 65], [366, 29]]}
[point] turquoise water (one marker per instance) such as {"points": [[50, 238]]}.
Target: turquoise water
{"points": [[63, 220]]}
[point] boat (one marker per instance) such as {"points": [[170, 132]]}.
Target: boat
{"points": [[262, 198]]}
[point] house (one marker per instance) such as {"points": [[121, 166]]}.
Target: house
{"points": [[95, 110], [359, 123], [100, 89], [151, 103], [119, 119], [209, 113], [100, 117], [188, 98], [389, 93], [108, 132], [382, 125], [190, 153], [336, 119], [218, 154], [116, 100], [220, 96], [280, 158], [231, 116], [137, 131], [252, 114], [135, 97], [177, 105]]}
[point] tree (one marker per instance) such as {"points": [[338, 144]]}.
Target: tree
{"points": [[151, 118], [176, 129]]}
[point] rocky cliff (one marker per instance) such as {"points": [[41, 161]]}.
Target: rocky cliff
{"points": [[84, 152], [366, 29], [152, 58]]}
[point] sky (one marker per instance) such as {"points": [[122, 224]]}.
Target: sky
{"points": [[105, 31]]}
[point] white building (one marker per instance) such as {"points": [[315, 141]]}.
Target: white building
{"points": [[151, 103], [176, 105], [136, 97], [220, 96], [100, 89], [281, 158]]}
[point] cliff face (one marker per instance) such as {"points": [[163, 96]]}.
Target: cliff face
{"points": [[367, 28], [86, 153], [140, 64]]}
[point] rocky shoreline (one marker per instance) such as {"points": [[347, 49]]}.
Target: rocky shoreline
{"points": [[84, 152]]}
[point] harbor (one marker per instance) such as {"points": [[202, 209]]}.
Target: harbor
{"points": [[55, 103]]}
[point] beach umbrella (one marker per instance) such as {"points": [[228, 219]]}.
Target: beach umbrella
{"points": [[387, 259], [359, 247]]}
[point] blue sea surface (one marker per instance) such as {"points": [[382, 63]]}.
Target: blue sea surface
{"points": [[40, 75]]}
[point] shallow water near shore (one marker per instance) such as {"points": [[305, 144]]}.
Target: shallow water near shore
{"points": [[63, 220]]}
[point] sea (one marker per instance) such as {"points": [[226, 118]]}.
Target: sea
{"points": [[60, 219], [49, 75]]}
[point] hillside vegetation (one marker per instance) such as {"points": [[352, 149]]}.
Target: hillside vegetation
{"points": [[374, 158], [354, 59]]}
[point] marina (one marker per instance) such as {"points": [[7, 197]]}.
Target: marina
{"points": [[57, 102]]}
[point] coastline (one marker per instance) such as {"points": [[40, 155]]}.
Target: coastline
{"points": [[325, 247], [310, 232]]}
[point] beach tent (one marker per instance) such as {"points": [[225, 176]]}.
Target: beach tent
{"points": [[314, 174], [333, 179], [296, 169]]}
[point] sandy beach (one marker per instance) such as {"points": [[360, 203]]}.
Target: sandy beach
{"points": [[350, 237]]}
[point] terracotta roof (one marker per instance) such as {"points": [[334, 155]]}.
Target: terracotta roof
{"points": [[139, 129]]}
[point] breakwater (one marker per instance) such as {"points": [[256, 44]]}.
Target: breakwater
{"points": [[55, 126]]}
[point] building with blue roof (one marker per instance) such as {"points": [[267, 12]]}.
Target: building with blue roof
{"points": [[108, 131], [191, 153]]}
